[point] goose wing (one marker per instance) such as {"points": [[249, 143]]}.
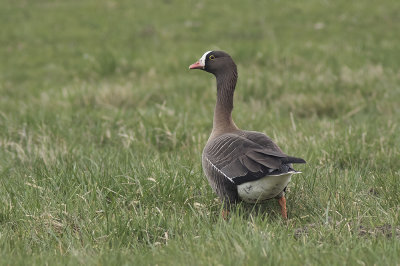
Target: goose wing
{"points": [[247, 156]]}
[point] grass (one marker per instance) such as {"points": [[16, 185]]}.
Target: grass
{"points": [[102, 128]]}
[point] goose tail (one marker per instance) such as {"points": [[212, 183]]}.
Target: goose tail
{"points": [[290, 159]]}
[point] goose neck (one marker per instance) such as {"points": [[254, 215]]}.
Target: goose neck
{"points": [[223, 122]]}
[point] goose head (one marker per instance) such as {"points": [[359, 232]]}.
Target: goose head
{"points": [[215, 62]]}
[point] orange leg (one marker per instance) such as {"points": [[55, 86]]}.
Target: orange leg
{"points": [[225, 214], [282, 203]]}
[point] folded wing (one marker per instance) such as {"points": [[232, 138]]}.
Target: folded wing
{"points": [[248, 156]]}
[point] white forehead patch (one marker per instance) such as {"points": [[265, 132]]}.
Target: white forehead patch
{"points": [[202, 60]]}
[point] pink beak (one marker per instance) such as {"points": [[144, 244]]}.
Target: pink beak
{"points": [[196, 65]]}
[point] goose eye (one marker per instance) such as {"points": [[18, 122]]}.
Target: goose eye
{"points": [[212, 57]]}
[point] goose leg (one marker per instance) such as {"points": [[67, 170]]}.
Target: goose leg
{"points": [[282, 203], [225, 214]]}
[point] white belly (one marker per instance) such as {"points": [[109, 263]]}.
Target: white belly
{"points": [[264, 188]]}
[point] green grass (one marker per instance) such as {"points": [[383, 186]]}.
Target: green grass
{"points": [[102, 128]]}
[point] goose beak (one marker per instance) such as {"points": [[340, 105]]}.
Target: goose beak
{"points": [[196, 65]]}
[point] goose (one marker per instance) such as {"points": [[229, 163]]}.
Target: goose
{"points": [[240, 165]]}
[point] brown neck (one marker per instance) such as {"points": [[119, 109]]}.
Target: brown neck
{"points": [[226, 82]]}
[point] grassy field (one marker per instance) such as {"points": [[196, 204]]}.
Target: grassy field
{"points": [[102, 128]]}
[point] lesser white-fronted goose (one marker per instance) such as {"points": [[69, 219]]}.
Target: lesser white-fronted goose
{"points": [[239, 164]]}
